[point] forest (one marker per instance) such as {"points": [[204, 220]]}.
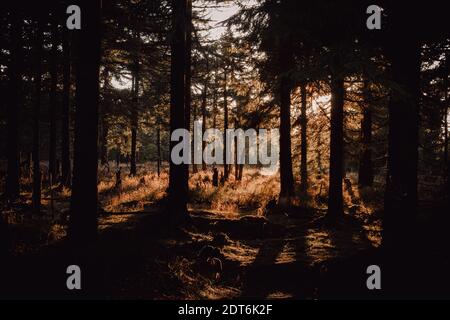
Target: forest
{"points": [[93, 92]]}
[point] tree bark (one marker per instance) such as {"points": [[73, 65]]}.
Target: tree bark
{"points": [[53, 170], [284, 99], [194, 113], [304, 141], [134, 120], [158, 146], [401, 181], [365, 176], [204, 102], [36, 198], [14, 105], [188, 78], [335, 201], [178, 191], [84, 202], [225, 126], [65, 125]]}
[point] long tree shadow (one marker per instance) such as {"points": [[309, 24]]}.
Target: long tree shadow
{"points": [[122, 263], [279, 270]]}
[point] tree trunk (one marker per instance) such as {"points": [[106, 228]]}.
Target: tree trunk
{"points": [[84, 202], [104, 125], [14, 105], [188, 79], [446, 84], [36, 199], [304, 142], [401, 182], [335, 201], [178, 191], [204, 102], [225, 126], [53, 98], [158, 146], [134, 120], [237, 124], [284, 99], [194, 111], [65, 128], [365, 176]]}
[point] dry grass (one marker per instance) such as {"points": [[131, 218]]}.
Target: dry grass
{"points": [[250, 194], [134, 193]]}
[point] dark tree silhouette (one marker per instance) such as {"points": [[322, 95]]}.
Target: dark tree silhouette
{"points": [[365, 174], [134, 117], [204, 111], [403, 51], [225, 125], [335, 201], [83, 206], [104, 125], [53, 170], [285, 60], [14, 103], [66, 174], [188, 77], [37, 116], [304, 140], [178, 191]]}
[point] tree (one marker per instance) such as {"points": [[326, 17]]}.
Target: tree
{"points": [[304, 140], [365, 176], [134, 117], [14, 103], [335, 201], [401, 182], [225, 124], [284, 99], [53, 170], [65, 112], [83, 205], [178, 191], [37, 117]]}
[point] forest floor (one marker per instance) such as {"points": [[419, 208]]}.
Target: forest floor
{"points": [[237, 246]]}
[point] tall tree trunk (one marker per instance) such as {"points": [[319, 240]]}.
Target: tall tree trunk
{"points": [[14, 105], [36, 199], [304, 141], [237, 124], [194, 113], [365, 176], [284, 99], [83, 206], [53, 98], [204, 102], [335, 200], [319, 154], [178, 191], [104, 141], [446, 84], [225, 126], [188, 79], [401, 182], [134, 120], [215, 97], [65, 125], [158, 146], [104, 125]]}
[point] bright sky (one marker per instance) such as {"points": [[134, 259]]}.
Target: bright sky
{"points": [[218, 15]]}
